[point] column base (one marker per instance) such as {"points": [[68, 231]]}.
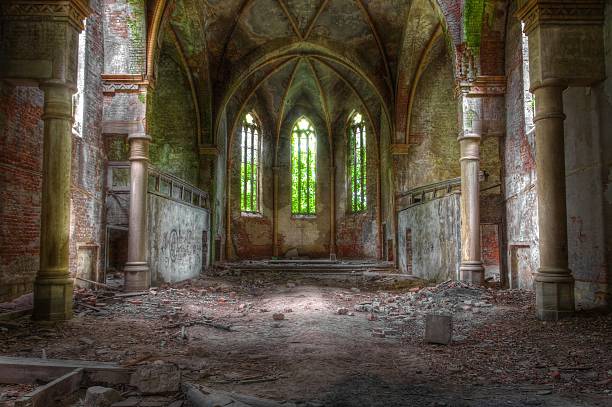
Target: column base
{"points": [[472, 272], [554, 294], [136, 276], [52, 299]]}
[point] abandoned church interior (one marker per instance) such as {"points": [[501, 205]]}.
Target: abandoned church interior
{"points": [[305, 203]]}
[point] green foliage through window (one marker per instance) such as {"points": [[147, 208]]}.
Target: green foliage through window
{"points": [[249, 168], [303, 168], [357, 163]]}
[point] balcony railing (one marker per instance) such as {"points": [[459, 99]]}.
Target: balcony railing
{"points": [[426, 193], [160, 183]]}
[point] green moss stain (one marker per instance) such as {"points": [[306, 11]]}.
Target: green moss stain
{"points": [[171, 122], [473, 12]]}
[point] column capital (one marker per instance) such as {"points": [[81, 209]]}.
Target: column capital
{"points": [[536, 13], [58, 100], [548, 83], [139, 146], [482, 86], [70, 11]]}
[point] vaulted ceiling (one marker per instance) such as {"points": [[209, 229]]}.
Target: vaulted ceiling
{"points": [[335, 54]]}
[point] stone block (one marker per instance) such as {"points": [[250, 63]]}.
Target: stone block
{"points": [[438, 329], [554, 299], [156, 378], [98, 396]]}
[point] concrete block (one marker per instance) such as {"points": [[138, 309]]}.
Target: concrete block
{"points": [[438, 329], [98, 396], [157, 378]]}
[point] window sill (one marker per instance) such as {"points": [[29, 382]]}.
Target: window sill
{"points": [[355, 213], [303, 217], [251, 215]]}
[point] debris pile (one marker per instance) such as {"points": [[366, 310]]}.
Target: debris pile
{"points": [[466, 303]]}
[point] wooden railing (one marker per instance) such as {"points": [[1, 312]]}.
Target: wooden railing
{"points": [[426, 193], [160, 183]]}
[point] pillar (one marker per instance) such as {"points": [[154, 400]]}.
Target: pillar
{"points": [[53, 285], [332, 210], [276, 248], [554, 283], [471, 269], [137, 276]]}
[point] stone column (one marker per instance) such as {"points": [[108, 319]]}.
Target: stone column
{"points": [[471, 269], [137, 276], [332, 211], [276, 249], [554, 283], [53, 285]]}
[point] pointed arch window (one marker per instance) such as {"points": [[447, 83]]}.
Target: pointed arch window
{"points": [[357, 160], [303, 168], [249, 168]]}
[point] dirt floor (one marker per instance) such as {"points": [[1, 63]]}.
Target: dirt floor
{"points": [[330, 343]]}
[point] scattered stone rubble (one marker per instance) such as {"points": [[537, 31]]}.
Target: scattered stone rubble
{"points": [[406, 311]]}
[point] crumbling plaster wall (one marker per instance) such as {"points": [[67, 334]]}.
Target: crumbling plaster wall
{"points": [[171, 121], [519, 167], [433, 156], [435, 244], [175, 233], [588, 171], [434, 149]]}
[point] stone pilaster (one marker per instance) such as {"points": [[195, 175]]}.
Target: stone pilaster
{"points": [[471, 269], [137, 276]]}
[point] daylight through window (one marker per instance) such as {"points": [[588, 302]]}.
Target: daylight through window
{"points": [[357, 163], [303, 168], [249, 170]]}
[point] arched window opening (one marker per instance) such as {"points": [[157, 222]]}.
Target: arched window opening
{"points": [[249, 168], [303, 168], [357, 159]]}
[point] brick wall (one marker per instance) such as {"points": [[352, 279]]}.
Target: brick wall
{"points": [[519, 166], [21, 136], [88, 159]]}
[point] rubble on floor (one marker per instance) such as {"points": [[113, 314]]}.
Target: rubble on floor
{"points": [[357, 336]]}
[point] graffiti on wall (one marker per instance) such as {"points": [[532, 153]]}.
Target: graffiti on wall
{"points": [[178, 245]]}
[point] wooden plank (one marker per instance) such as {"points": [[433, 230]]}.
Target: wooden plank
{"points": [[6, 316], [56, 390], [15, 370]]}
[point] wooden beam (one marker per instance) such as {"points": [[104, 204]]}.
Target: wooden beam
{"points": [[54, 391]]}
